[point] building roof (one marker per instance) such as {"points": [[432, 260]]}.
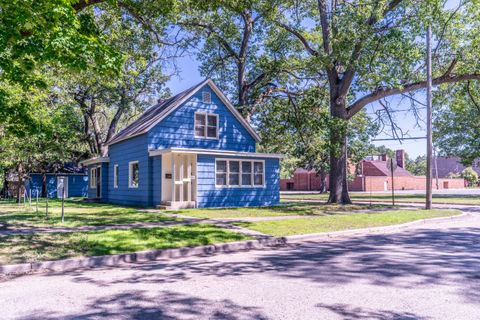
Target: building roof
{"points": [[447, 165], [379, 168], [158, 112]]}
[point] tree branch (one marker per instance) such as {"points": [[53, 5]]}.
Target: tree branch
{"points": [[322, 8], [300, 37], [387, 92], [211, 30]]}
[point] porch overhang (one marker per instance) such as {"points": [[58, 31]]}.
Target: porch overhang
{"points": [[95, 161], [158, 152]]}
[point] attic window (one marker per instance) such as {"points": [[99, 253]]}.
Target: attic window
{"points": [[206, 125], [206, 97]]}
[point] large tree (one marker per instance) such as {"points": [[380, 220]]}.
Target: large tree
{"points": [[239, 49], [371, 50], [107, 103]]}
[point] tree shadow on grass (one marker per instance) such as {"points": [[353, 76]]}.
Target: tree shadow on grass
{"points": [[54, 246], [137, 304]]}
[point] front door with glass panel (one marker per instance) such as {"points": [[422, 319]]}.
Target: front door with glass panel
{"points": [[184, 180]]}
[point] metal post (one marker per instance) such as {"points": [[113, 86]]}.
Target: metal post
{"points": [[436, 167], [393, 185], [63, 204], [370, 191], [46, 205], [30, 198], [428, 200], [36, 207]]}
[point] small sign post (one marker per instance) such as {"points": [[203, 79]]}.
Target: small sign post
{"points": [[63, 204], [36, 207], [46, 205], [392, 166]]}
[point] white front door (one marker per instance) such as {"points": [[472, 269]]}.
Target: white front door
{"points": [[62, 186], [179, 187]]}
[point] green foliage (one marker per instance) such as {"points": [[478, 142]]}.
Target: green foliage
{"points": [[471, 176], [35, 33], [417, 167], [239, 49], [457, 121], [300, 128]]}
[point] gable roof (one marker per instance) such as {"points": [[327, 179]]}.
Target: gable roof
{"points": [[158, 112], [379, 168]]}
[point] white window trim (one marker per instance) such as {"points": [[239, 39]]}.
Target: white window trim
{"points": [[206, 114], [93, 178], [115, 176], [130, 174], [252, 185]]}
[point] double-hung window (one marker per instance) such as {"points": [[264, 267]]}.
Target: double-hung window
{"points": [[115, 176], [93, 178], [133, 174], [239, 173], [206, 125]]}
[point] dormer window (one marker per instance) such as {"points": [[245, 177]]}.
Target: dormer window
{"points": [[206, 125], [206, 97]]}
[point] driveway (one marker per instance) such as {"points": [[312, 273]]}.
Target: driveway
{"points": [[431, 271]]}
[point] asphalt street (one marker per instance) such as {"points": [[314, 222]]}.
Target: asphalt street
{"points": [[430, 271]]}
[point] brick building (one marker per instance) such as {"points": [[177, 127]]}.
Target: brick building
{"points": [[372, 175], [448, 165]]}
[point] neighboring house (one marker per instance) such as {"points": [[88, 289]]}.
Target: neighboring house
{"points": [[69, 177], [372, 175], [452, 165], [73, 184], [192, 150]]}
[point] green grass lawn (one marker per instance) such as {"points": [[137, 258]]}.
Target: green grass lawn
{"points": [[293, 209], [437, 198], [54, 246], [288, 227], [77, 213]]}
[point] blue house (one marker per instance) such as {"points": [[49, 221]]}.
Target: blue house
{"points": [[192, 150], [73, 184]]}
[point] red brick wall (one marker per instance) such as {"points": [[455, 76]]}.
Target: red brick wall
{"points": [[309, 181], [407, 183]]}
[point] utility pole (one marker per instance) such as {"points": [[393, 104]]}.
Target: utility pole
{"points": [[428, 200]]}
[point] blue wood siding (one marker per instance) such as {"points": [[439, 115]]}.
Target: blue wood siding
{"points": [[177, 129], [155, 180], [77, 185], [134, 149], [210, 196]]}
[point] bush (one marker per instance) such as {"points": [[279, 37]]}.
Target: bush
{"points": [[470, 176]]}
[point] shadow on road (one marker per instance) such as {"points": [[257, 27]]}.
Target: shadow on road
{"points": [[402, 260], [137, 304]]}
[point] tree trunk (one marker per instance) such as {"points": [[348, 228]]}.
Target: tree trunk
{"points": [[338, 150], [44, 185], [323, 181], [5, 183]]}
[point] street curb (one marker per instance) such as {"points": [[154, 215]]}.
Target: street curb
{"points": [[229, 247], [142, 256]]}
